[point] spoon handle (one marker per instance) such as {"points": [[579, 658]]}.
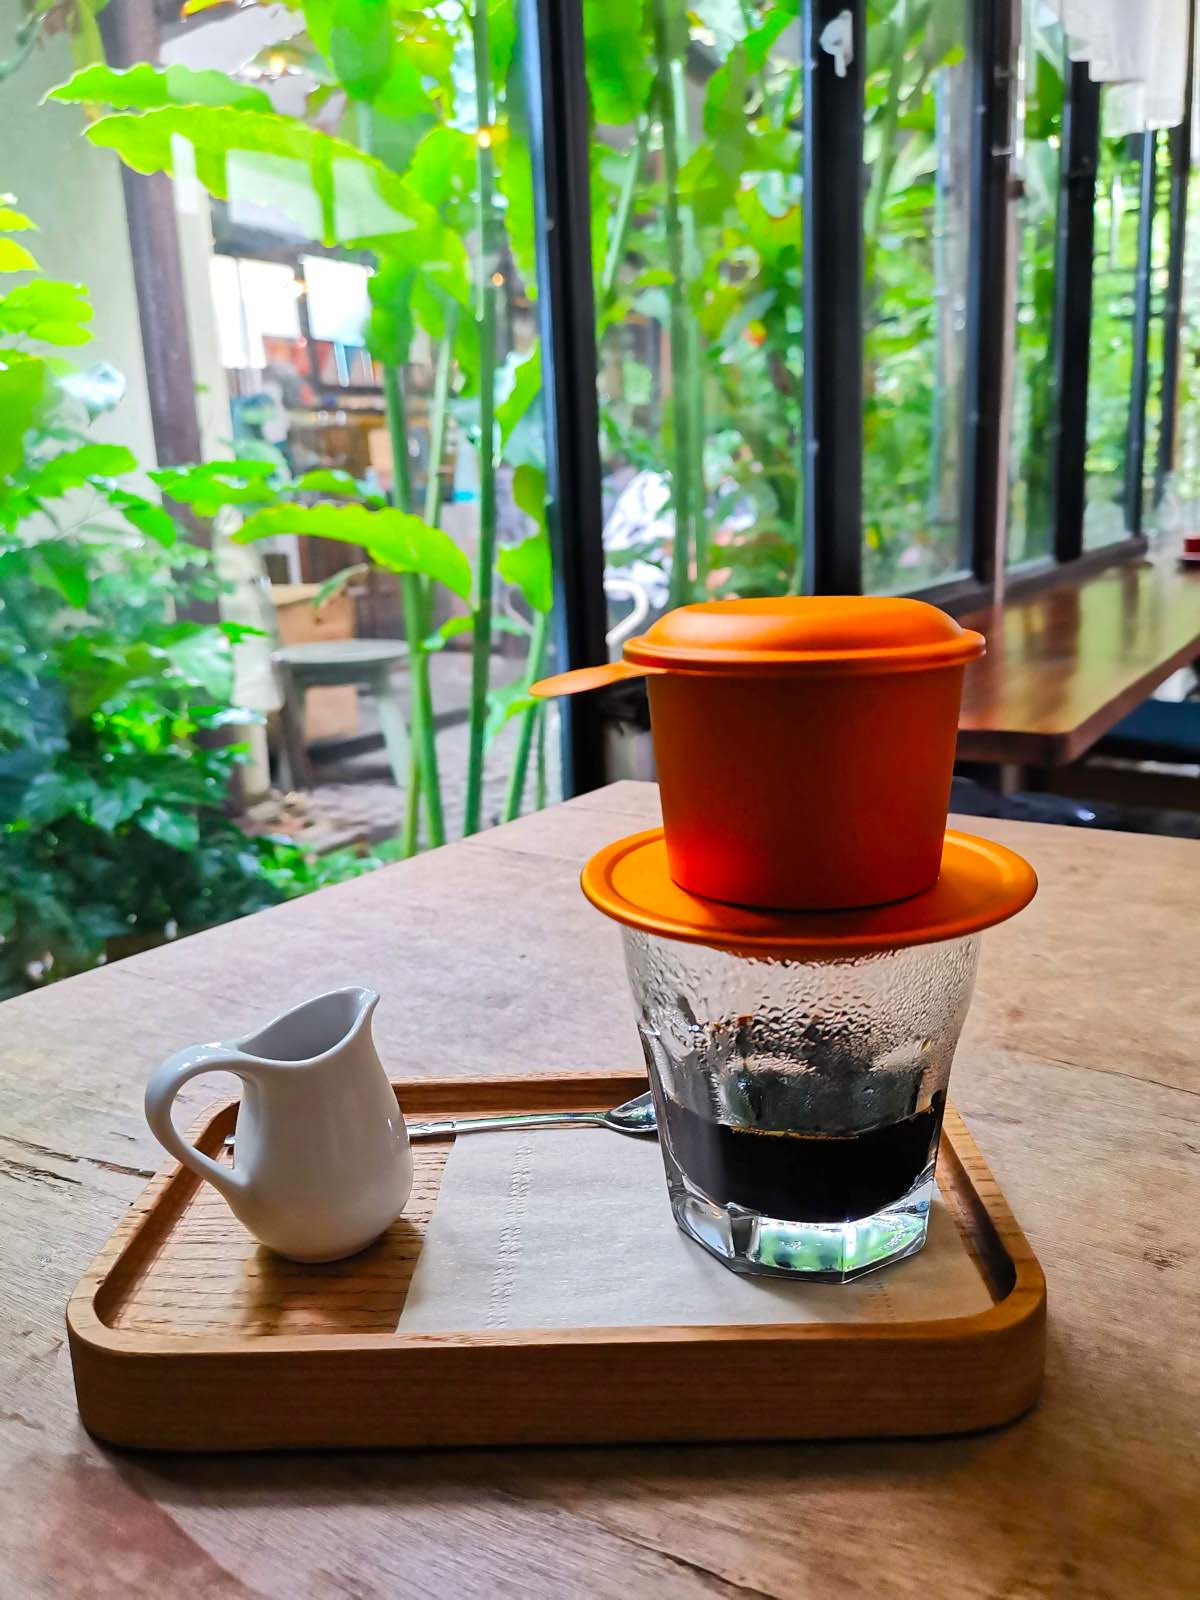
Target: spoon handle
{"points": [[548, 1119]]}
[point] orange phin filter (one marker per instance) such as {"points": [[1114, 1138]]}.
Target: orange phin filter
{"points": [[804, 745]]}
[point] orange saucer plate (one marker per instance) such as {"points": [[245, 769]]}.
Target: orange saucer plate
{"points": [[981, 883]]}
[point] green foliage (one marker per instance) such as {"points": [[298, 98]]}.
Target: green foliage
{"points": [[146, 88], [113, 777], [395, 539], [24, 389], [527, 567], [15, 257], [55, 313]]}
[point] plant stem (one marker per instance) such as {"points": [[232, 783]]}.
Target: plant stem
{"points": [[881, 175], [539, 787], [481, 642], [620, 226], [680, 585], [797, 584], [423, 765], [437, 421], [410, 832], [533, 671], [695, 367]]}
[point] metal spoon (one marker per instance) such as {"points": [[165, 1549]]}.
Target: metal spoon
{"points": [[635, 1116]]}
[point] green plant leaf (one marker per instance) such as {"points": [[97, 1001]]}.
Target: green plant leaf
{"points": [[145, 516], [389, 332], [200, 653], [146, 88], [66, 568], [15, 221], [529, 492], [355, 37], [117, 801], [331, 481], [502, 36], [451, 629], [394, 539], [514, 169], [56, 793], [518, 384], [169, 825], [443, 169], [335, 585], [15, 258], [208, 486], [618, 41], [325, 185], [504, 704], [54, 312], [24, 389], [71, 469], [527, 567]]}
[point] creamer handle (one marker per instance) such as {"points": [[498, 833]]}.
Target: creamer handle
{"points": [[165, 1083]]}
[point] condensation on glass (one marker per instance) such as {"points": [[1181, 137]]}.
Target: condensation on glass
{"points": [[801, 1101]]}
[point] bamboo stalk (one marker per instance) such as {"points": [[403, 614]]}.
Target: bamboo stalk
{"points": [[881, 174], [539, 785], [695, 360], [402, 497], [680, 584], [620, 226], [533, 670], [481, 641], [423, 765], [437, 421]]}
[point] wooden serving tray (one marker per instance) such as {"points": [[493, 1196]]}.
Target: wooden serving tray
{"points": [[186, 1335]]}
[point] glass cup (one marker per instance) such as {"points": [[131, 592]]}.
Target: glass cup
{"points": [[800, 1102]]}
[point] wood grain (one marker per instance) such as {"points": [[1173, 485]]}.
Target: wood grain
{"points": [[185, 1335], [1077, 1073], [1066, 664]]}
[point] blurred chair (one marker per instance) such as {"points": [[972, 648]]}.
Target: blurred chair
{"points": [[328, 663], [366, 663]]}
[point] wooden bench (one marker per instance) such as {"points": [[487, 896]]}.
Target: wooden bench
{"points": [[1064, 666]]}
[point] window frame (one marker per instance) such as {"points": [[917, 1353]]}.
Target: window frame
{"points": [[833, 117]]}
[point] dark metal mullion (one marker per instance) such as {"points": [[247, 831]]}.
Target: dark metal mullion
{"points": [[1139, 388], [984, 471], [833, 302], [556, 91], [1180, 145], [1073, 306]]}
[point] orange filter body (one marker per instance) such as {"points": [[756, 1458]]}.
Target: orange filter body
{"points": [[805, 746], [816, 794]]}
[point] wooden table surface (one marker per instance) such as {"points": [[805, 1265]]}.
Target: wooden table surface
{"points": [[1066, 664], [1078, 1076]]}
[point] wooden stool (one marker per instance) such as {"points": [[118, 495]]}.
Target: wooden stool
{"points": [[340, 661]]}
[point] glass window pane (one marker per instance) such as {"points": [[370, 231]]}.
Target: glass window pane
{"points": [[1180, 511], [1160, 246], [697, 260], [916, 241], [1110, 369], [1038, 160]]}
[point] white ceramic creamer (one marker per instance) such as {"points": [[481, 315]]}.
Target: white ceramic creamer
{"points": [[322, 1163]]}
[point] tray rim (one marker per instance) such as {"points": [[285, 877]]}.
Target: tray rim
{"points": [[1024, 1299]]}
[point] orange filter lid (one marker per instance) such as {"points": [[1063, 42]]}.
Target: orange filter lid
{"points": [[981, 883], [815, 633]]}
